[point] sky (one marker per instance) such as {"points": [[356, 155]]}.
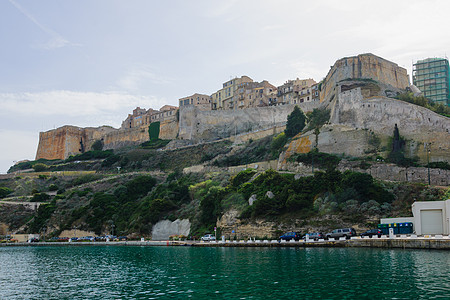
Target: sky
{"points": [[91, 62]]}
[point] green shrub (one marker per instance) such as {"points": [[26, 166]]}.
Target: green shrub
{"points": [[94, 154], [423, 101], [140, 186], [242, 177], [40, 167], [40, 197], [319, 159], [277, 144], [440, 165], [53, 187], [85, 179], [210, 206], [4, 191], [154, 144]]}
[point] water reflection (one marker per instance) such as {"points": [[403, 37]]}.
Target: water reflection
{"points": [[111, 272]]}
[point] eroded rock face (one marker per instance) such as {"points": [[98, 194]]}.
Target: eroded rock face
{"points": [[163, 229]]}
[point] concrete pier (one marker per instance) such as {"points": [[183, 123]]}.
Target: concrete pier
{"points": [[439, 242]]}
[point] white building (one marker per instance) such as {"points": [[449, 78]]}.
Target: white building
{"points": [[429, 217]]}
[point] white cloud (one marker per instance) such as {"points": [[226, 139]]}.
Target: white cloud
{"points": [[47, 110], [16, 145]]}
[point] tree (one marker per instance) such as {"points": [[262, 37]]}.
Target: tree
{"points": [[97, 145], [295, 122]]}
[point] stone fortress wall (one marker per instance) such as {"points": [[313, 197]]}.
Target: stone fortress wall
{"points": [[353, 90], [355, 118], [199, 125], [363, 66]]}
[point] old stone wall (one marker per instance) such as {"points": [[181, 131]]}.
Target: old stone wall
{"points": [[65, 141], [416, 124], [364, 66], [218, 124], [380, 170], [168, 129]]}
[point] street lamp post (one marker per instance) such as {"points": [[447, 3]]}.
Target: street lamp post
{"points": [[427, 148]]}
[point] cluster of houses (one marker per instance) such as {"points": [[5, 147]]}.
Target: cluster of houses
{"points": [[238, 93]]}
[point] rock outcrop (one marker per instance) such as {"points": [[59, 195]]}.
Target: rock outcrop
{"points": [[163, 229]]}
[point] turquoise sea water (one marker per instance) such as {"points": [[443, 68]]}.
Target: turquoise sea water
{"points": [[124, 272]]}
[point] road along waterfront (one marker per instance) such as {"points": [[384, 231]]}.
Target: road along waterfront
{"points": [[112, 272], [438, 242]]}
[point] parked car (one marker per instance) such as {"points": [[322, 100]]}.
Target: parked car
{"points": [[315, 236], [208, 238], [372, 232], [343, 232], [296, 236]]}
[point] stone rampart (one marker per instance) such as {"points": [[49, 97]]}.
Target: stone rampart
{"points": [[218, 124], [65, 141], [416, 124], [364, 66]]}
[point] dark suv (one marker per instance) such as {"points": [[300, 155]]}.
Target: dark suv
{"points": [[291, 236], [315, 236], [372, 232], [343, 232]]}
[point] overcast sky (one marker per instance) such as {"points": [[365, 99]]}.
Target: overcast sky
{"points": [[90, 63]]}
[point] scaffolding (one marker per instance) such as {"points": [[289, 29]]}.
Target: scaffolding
{"points": [[432, 77]]}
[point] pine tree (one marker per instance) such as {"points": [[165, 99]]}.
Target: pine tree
{"points": [[295, 122]]}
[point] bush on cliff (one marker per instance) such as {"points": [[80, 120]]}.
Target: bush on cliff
{"points": [[40, 167], [94, 154], [4, 191], [425, 102], [277, 144], [318, 159]]}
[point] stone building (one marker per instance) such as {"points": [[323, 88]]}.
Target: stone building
{"points": [[251, 94], [295, 91], [226, 93], [167, 112], [142, 117], [201, 101]]}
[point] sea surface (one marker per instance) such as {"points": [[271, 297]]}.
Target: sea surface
{"points": [[127, 272]]}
